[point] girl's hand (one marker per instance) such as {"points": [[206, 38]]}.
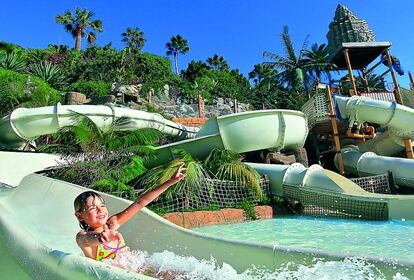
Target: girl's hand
{"points": [[108, 235], [178, 175], [113, 223]]}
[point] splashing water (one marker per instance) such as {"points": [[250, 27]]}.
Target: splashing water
{"points": [[167, 265]]}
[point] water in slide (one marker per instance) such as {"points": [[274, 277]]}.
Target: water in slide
{"points": [[23, 209]]}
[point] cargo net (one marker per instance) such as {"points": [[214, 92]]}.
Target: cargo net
{"points": [[309, 202], [213, 194], [316, 109], [374, 184]]}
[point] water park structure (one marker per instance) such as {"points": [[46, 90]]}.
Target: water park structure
{"points": [[327, 123]]}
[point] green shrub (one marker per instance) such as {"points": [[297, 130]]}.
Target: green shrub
{"points": [[24, 90], [91, 88], [48, 72], [12, 61]]}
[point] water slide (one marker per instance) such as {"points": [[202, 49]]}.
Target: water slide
{"points": [[34, 249], [24, 125], [372, 156]]}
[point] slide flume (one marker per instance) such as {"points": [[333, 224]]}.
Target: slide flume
{"points": [[371, 158]]}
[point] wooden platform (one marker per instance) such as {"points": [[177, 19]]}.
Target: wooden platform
{"points": [[361, 54], [324, 127]]}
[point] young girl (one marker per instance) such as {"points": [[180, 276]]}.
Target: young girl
{"points": [[99, 238]]}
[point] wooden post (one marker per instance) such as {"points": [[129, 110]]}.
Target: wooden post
{"points": [[351, 76], [200, 107], [411, 80], [150, 96], [332, 116], [397, 92], [235, 105], [407, 141], [409, 148]]}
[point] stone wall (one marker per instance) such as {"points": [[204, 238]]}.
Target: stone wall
{"points": [[223, 216]]}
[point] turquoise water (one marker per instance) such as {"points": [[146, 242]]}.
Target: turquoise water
{"points": [[388, 239]]}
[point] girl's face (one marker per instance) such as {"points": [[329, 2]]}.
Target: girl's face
{"points": [[94, 213]]}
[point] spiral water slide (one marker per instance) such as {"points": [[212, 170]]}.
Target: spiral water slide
{"points": [[372, 157]]}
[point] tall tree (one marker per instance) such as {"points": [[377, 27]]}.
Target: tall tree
{"points": [[176, 45], [262, 73], [133, 39], [318, 57], [294, 67], [80, 25], [218, 63]]}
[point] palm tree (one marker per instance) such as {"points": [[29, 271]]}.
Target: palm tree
{"points": [[134, 39], [318, 56], [217, 63], [294, 68], [176, 45], [262, 73], [80, 25]]}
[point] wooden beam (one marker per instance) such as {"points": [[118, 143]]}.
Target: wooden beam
{"points": [[337, 142], [351, 76], [383, 74], [407, 141], [411, 80], [372, 68], [409, 148], [397, 92]]}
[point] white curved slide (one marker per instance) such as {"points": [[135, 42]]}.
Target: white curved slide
{"points": [[25, 124], [33, 247], [399, 121]]}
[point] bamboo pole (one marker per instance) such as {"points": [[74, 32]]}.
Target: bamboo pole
{"points": [[332, 116], [351, 76]]}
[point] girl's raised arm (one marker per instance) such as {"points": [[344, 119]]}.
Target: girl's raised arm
{"points": [[144, 199]]}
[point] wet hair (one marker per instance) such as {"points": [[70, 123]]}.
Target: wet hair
{"points": [[80, 202]]}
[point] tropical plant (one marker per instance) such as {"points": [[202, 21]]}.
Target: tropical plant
{"points": [[227, 165], [160, 174], [195, 69], [262, 73], [203, 86], [91, 88], [48, 72], [374, 83], [80, 24], [103, 159], [13, 61], [177, 45], [318, 57], [294, 68], [23, 90], [218, 63], [133, 39]]}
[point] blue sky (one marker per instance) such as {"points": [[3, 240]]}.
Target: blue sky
{"points": [[238, 30]]}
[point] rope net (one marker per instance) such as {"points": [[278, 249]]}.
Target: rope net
{"points": [[309, 202], [213, 194], [374, 184]]}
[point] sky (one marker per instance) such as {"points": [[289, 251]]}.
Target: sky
{"points": [[240, 31]]}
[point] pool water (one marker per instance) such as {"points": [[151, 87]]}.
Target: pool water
{"points": [[387, 239]]}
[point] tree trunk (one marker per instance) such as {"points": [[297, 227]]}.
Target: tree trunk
{"points": [[176, 62], [78, 40]]}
